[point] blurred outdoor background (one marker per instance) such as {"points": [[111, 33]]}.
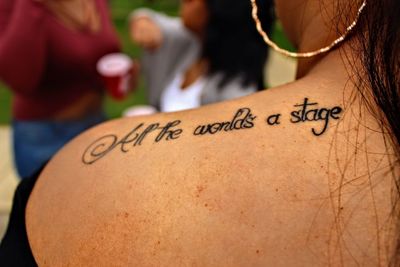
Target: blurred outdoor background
{"points": [[120, 11], [279, 70]]}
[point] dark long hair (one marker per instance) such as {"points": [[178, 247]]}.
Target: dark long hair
{"points": [[379, 40], [380, 43], [232, 45]]}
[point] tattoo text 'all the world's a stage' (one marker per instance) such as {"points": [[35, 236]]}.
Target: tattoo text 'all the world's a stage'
{"points": [[309, 112], [242, 119], [105, 144]]}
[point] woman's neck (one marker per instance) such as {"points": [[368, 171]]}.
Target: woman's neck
{"points": [[332, 66], [318, 29], [314, 36]]}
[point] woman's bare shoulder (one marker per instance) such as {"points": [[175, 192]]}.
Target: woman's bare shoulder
{"points": [[142, 189], [262, 117]]}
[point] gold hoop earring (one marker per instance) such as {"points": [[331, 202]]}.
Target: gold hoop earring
{"points": [[287, 53]]}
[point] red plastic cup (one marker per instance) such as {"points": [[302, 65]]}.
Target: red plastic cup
{"points": [[117, 71]]}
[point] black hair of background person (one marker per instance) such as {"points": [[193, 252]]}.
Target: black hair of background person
{"points": [[232, 44]]}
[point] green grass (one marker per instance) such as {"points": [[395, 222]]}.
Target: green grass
{"points": [[120, 10], [5, 105]]}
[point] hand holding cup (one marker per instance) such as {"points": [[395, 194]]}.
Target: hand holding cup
{"points": [[119, 73]]}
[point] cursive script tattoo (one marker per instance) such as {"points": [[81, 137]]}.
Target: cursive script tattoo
{"points": [[274, 119], [243, 119], [105, 144], [305, 114]]}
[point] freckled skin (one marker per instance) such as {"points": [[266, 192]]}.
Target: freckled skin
{"points": [[262, 195], [235, 198]]}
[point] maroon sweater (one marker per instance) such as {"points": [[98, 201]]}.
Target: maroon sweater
{"points": [[47, 65]]}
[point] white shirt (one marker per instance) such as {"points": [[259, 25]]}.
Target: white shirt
{"points": [[174, 98]]}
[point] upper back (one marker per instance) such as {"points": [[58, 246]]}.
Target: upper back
{"points": [[257, 181]]}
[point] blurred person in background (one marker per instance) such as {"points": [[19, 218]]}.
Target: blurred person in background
{"points": [[308, 174], [48, 55], [210, 54]]}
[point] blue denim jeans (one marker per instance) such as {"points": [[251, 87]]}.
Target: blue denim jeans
{"points": [[35, 142]]}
